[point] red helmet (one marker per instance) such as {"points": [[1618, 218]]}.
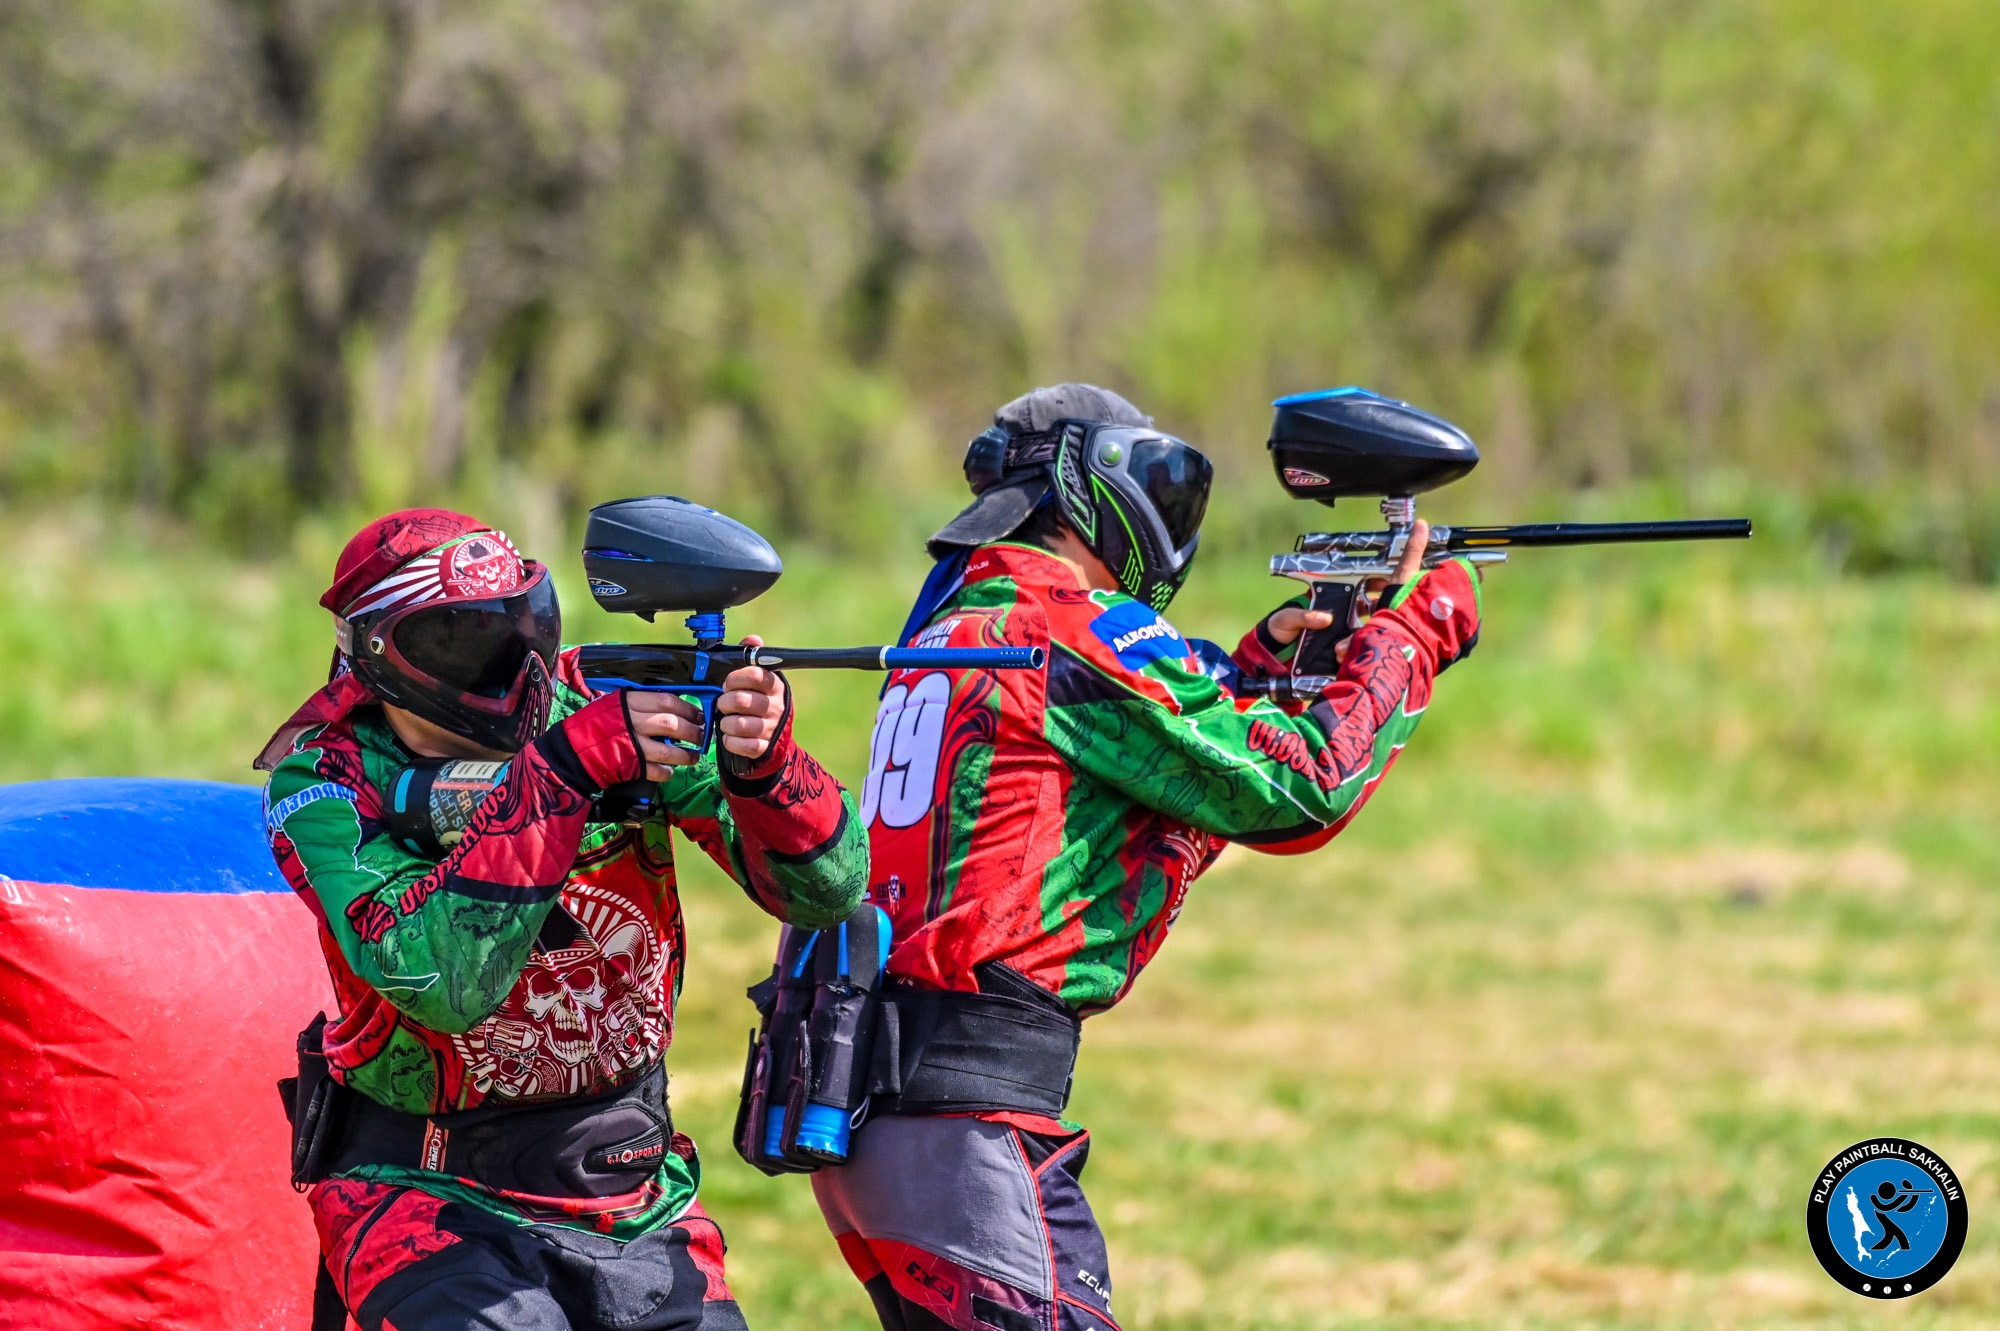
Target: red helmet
{"points": [[439, 614]]}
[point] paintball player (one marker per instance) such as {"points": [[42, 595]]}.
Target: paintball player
{"points": [[499, 1153], [1033, 834]]}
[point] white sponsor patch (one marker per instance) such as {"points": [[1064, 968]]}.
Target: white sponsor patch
{"points": [[937, 635], [1157, 630]]}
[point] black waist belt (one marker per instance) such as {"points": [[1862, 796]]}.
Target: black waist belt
{"points": [[584, 1146], [959, 1052]]}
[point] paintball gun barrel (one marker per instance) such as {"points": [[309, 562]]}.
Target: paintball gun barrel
{"points": [[665, 553], [1348, 442]]}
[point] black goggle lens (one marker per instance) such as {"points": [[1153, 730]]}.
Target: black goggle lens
{"points": [[1175, 478], [480, 646]]}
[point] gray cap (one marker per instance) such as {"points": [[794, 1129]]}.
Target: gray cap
{"points": [[1000, 510], [1042, 408]]}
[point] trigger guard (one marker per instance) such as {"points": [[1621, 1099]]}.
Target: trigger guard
{"points": [[705, 704]]}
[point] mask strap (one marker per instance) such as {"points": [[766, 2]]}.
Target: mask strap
{"points": [[1033, 450]]}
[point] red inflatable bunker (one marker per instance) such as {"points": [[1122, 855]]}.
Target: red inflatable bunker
{"points": [[154, 971]]}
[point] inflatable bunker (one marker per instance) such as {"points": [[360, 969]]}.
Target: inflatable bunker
{"points": [[154, 972]]}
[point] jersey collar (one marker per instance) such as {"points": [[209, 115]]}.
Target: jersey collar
{"points": [[342, 695], [1022, 563]]}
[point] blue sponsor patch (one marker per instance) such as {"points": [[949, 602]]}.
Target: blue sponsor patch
{"points": [[1138, 635], [291, 804]]}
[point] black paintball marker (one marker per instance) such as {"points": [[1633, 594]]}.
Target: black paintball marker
{"points": [[644, 556], [1343, 443], [665, 553]]}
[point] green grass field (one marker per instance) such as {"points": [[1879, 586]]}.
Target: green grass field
{"points": [[1685, 884]]}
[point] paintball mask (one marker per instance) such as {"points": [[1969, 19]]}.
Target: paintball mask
{"points": [[465, 636], [1135, 495]]}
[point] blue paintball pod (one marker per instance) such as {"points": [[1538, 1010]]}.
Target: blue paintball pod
{"points": [[812, 1064], [840, 1035]]}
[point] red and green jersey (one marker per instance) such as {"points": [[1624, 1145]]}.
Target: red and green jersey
{"points": [[541, 958], [1053, 820]]}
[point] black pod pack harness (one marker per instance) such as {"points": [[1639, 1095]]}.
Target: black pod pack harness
{"points": [[597, 1145]]}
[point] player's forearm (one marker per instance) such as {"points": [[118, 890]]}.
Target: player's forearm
{"points": [[804, 853]]}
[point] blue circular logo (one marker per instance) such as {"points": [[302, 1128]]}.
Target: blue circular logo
{"points": [[1887, 1218]]}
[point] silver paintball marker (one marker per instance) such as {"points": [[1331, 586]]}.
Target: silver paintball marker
{"points": [[1343, 443]]}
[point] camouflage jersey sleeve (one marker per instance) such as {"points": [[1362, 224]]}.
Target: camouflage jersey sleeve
{"points": [[780, 826], [1130, 704], [443, 940]]}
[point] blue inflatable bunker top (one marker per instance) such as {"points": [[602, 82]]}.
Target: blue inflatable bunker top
{"points": [[137, 833]]}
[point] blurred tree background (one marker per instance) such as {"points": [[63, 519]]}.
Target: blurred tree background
{"points": [[1686, 882], [261, 257]]}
